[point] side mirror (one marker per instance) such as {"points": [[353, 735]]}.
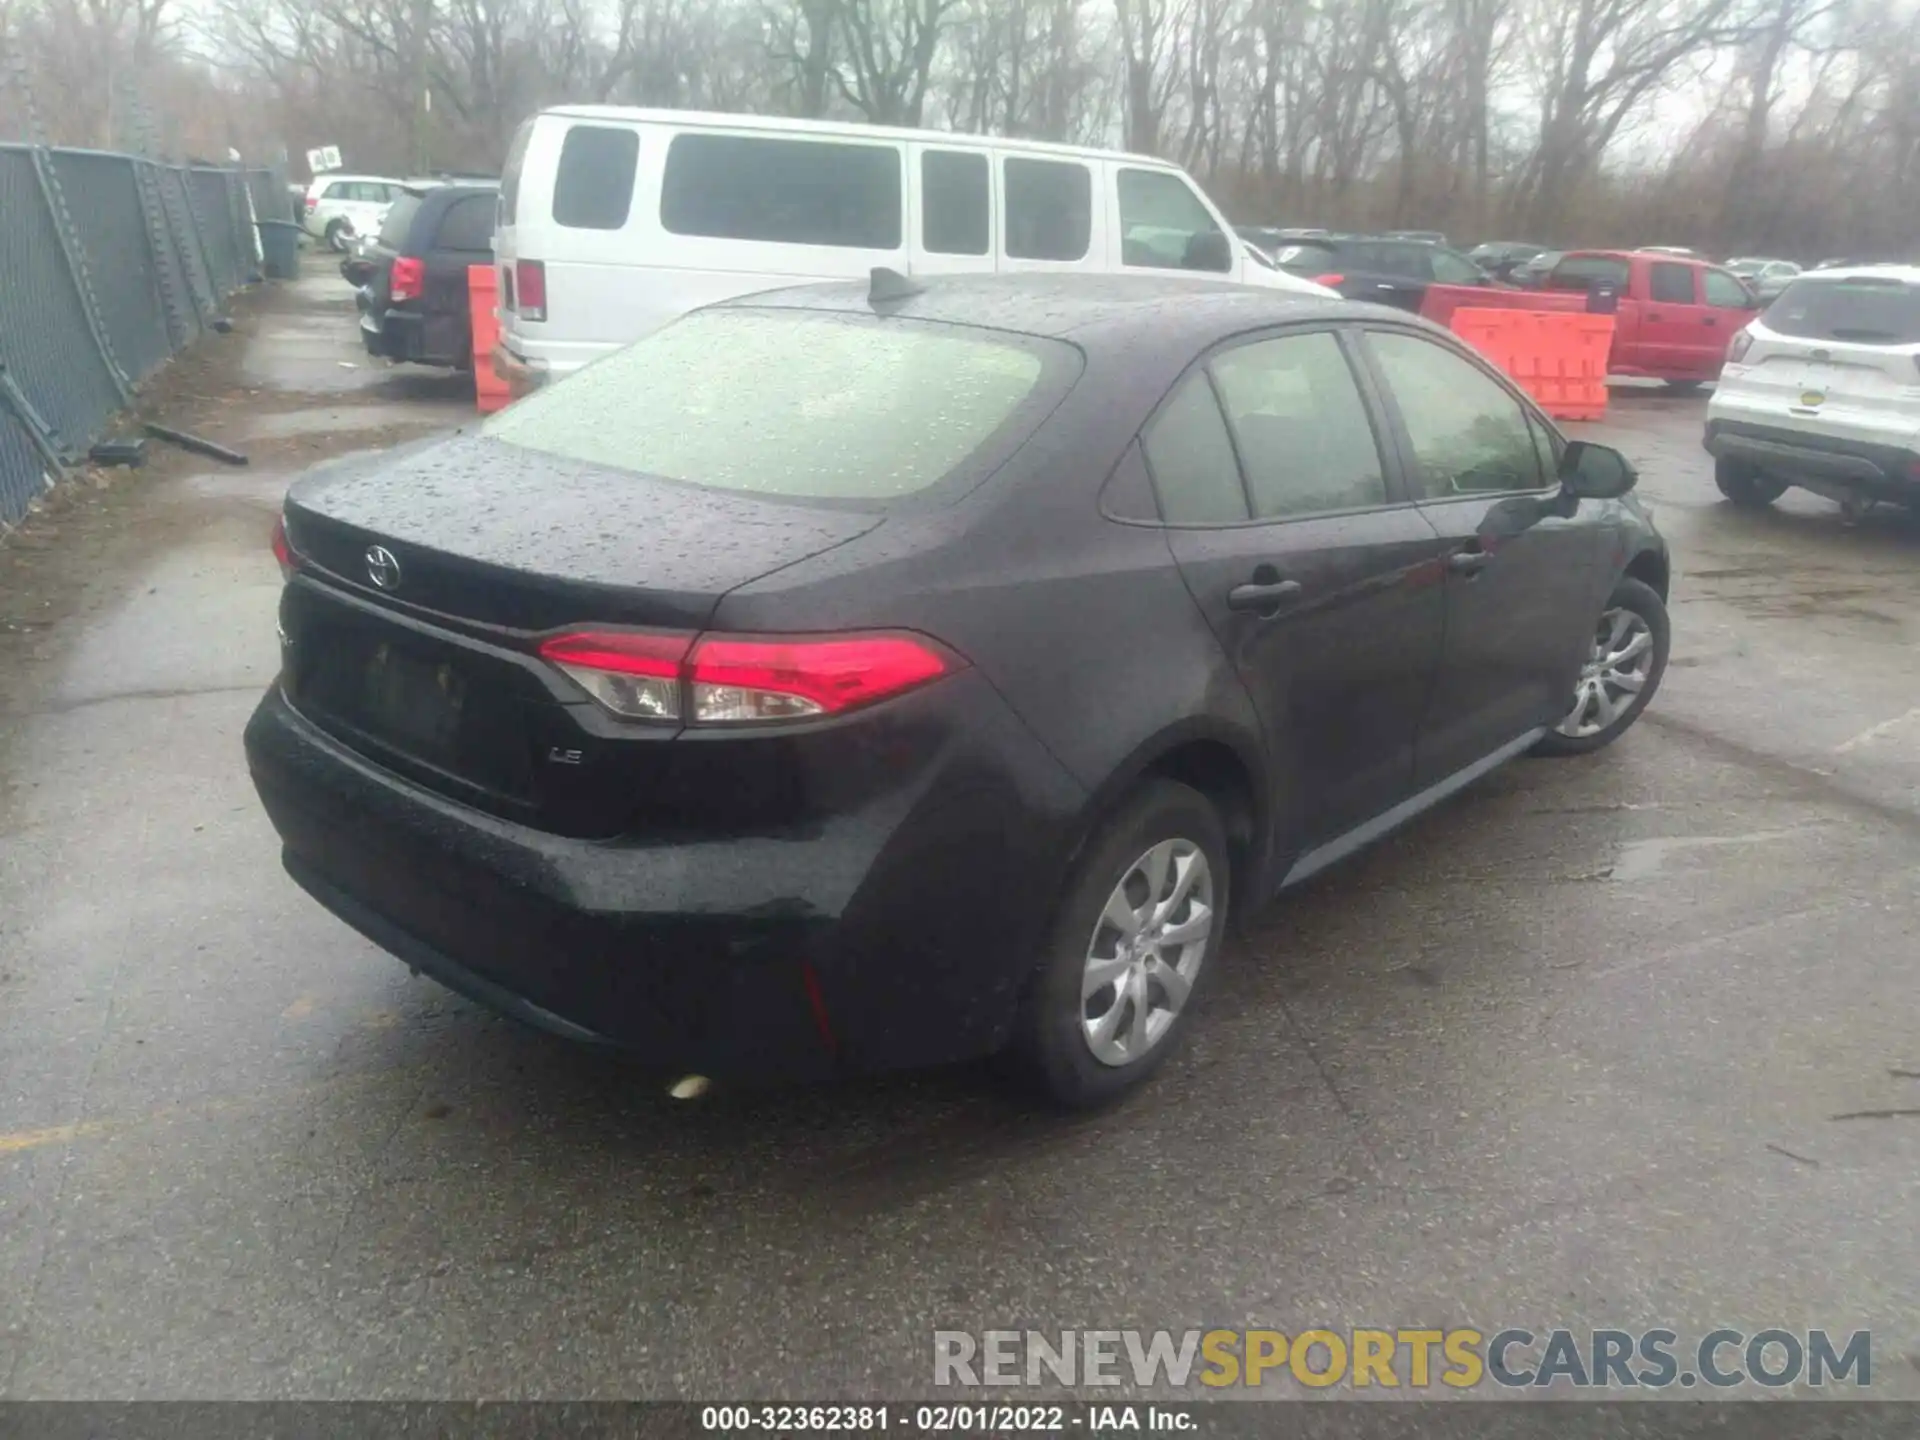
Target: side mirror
{"points": [[1595, 472], [1209, 250]]}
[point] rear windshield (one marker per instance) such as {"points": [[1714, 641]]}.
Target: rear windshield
{"points": [[1583, 272], [399, 220], [1305, 256], [1867, 310], [782, 402]]}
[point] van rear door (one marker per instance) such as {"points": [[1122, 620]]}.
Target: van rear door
{"points": [[506, 245]]}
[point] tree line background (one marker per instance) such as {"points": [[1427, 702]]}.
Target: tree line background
{"points": [[1759, 126]]}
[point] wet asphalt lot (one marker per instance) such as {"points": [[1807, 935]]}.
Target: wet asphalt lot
{"points": [[1616, 1042]]}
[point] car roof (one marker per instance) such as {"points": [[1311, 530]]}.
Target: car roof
{"points": [[1907, 274], [1177, 316], [838, 129]]}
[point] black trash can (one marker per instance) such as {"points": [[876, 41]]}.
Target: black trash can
{"points": [[280, 248]]}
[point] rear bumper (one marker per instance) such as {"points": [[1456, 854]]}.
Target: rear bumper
{"points": [[408, 336], [882, 939], [1817, 461], [520, 375]]}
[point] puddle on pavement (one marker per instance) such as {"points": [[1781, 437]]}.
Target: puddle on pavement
{"points": [[1644, 859]]}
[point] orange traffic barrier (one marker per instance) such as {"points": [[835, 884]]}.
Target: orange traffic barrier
{"points": [[1559, 359], [483, 287]]}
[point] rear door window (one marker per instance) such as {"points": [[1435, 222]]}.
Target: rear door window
{"points": [[954, 209], [593, 188], [788, 192], [1868, 310], [467, 225], [1671, 284], [1406, 261], [1301, 428], [1049, 209]]}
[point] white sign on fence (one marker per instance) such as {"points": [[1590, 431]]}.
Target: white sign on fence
{"points": [[327, 157]]}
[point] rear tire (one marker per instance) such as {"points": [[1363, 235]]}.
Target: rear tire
{"points": [[1746, 486], [339, 236], [1629, 658], [1140, 987]]}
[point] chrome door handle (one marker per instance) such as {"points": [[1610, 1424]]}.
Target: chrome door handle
{"points": [[1262, 597]]}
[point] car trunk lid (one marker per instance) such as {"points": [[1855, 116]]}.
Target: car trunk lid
{"points": [[487, 532], [1845, 351], [426, 577]]}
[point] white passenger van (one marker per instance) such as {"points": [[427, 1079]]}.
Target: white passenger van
{"points": [[615, 220]]}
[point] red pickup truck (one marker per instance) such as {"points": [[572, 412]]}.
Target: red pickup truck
{"points": [[1675, 316]]}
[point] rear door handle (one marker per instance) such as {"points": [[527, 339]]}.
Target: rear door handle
{"points": [[1267, 597], [1655, 315], [1468, 562], [1709, 319]]}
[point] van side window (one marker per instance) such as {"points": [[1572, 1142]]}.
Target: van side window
{"points": [[953, 203], [1163, 224], [593, 189], [790, 192], [1049, 209]]}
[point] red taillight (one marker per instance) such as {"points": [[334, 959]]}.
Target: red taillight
{"points": [[530, 289], [742, 680], [1328, 280], [1737, 351], [282, 550], [408, 278], [313, 202]]}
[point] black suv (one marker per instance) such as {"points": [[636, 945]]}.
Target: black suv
{"points": [[1384, 269], [413, 305]]}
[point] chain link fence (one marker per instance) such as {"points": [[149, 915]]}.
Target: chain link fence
{"points": [[109, 265]]}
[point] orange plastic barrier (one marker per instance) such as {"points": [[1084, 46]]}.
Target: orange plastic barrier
{"points": [[483, 286], [1558, 359]]}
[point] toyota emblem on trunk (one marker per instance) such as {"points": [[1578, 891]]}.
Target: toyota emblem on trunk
{"points": [[382, 569]]}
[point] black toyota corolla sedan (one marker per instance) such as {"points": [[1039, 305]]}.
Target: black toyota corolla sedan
{"points": [[856, 677]]}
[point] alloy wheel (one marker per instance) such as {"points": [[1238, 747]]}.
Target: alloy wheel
{"points": [[1616, 672], [1147, 947]]}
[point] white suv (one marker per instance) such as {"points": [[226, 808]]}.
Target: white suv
{"points": [[340, 207], [1823, 391]]}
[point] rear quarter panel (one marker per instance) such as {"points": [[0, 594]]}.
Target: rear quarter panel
{"points": [[1081, 622]]}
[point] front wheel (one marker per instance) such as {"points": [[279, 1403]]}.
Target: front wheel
{"points": [[1622, 672], [1142, 921]]}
